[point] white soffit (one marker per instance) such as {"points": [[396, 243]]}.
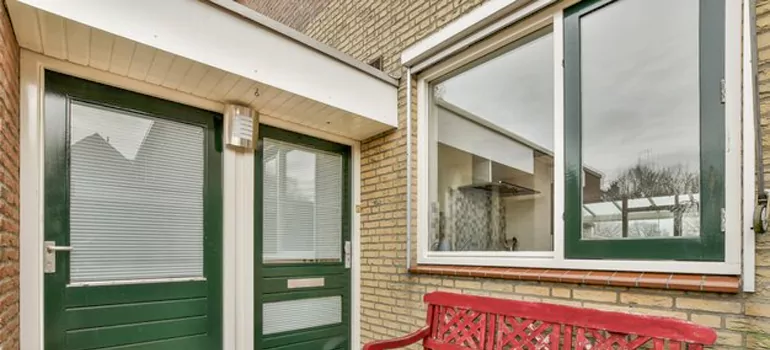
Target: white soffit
{"points": [[204, 33]]}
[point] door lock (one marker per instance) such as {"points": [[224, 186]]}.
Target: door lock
{"points": [[49, 255]]}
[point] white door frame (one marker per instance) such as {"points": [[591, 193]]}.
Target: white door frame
{"points": [[238, 204]]}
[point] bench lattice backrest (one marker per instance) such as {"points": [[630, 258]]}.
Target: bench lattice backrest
{"points": [[464, 322]]}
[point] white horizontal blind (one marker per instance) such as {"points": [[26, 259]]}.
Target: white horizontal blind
{"points": [[302, 203], [292, 315], [136, 197]]}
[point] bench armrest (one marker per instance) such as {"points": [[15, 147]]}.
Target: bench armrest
{"points": [[396, 343]]}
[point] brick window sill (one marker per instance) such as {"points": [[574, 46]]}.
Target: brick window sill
{"points": [[667, 281]]}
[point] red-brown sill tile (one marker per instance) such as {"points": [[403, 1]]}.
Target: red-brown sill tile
{"points": [[574, 276], [686, 282], [654, 280], [513, 273], [429, 270], [722, 284], [718, 284], [423, 268], [487, 272], [600, 278], [464, 271], [530, 274], [625, 279], [551, 275]]}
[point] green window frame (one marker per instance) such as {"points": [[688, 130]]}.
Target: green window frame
{"points": [[710, 245]]}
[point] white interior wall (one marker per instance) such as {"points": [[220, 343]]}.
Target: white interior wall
{"points": [[528, 218]]}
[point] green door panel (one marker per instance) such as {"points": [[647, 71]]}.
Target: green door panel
{"points": [[334, 342], [112, 315], [140, 314], [273, 280], [135, 293], [316, 334], [104, 337], [194, 342]]}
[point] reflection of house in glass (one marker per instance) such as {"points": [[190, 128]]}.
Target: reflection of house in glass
{"points": [[665, 212]]}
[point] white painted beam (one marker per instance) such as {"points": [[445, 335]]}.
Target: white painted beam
{"points": [[210, 35]]}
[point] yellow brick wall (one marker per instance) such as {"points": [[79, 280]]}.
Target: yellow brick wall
{"points": [[391, 299]]}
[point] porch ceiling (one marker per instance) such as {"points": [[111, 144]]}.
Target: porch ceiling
{"points": [[66, 39]]}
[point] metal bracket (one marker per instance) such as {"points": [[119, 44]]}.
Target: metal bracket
{"points": [[347, 254], [723, 90], [722, 224], [760, 222]]}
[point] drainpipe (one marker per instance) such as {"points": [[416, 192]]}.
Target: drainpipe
{"points": [[760, 211], [408, 168]]}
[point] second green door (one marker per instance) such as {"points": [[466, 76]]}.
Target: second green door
{"points": [[302, 242]]}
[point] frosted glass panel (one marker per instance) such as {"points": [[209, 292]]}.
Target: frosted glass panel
{"points": [[292, 315], [302, 204], [136, 201]]}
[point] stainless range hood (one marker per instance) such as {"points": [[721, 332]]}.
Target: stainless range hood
{"points": [[488, 176]]}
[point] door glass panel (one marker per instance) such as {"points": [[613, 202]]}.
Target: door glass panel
{"points": [[640, 101], [136, 201], [302, 204], [292, 315]]}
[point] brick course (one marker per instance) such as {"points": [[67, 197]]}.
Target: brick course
{"points": [[391, 299], [9, 184]]}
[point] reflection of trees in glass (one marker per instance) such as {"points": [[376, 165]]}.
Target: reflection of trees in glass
{"points": [[645, 180], [671, 206]]}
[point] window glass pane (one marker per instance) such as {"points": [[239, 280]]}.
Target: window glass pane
{"points": [[302, 204], [640, 119], [136, 200], [494, 134]]}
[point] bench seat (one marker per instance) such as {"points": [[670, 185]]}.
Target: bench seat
{"points": [[467, 322]]}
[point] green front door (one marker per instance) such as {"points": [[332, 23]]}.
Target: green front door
{"points": [[302, 243], [132, 221]]}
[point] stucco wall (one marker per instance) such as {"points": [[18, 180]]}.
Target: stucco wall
{"points": [[391, 298], [9, 184]]}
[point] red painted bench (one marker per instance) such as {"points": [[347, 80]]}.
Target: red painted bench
{"points": [[466, 322]]}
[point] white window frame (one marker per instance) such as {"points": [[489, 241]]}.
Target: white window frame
{"points": [[553, 16]]}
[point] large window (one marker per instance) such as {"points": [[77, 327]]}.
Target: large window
{"points": [[495, 152], [600, 134]]}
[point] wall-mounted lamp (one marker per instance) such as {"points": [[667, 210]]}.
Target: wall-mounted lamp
{"points": [[241, 125]]}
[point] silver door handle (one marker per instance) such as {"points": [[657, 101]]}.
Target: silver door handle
{"points": [[53, 248], [49, 255]]}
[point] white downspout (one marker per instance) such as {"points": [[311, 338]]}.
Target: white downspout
{"points": [[753, 173], [408, 168]]}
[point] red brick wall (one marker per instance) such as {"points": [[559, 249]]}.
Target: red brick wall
{"points": [[9, 184]]}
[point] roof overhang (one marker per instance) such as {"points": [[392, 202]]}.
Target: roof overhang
{"points": [[213, 35], [470, 28]]}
